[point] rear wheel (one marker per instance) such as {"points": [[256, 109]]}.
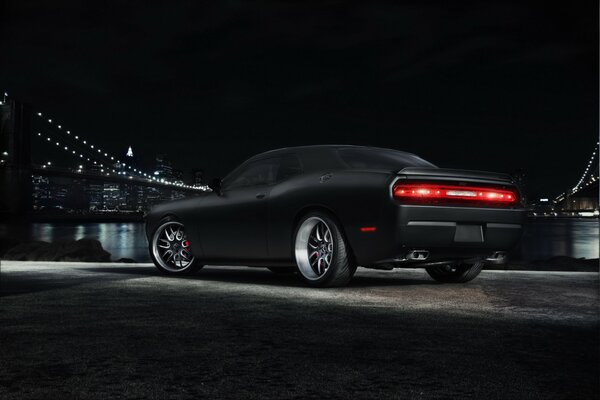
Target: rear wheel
{"points": [[170, 249], [321, 252], [457, 273]]}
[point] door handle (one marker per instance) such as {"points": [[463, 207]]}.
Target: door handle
{"points": [[260, 196]]}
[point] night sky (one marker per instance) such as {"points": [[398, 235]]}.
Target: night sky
{"points": [[491, 85]]}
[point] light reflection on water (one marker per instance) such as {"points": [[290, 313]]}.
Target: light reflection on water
{"points": [[543, 238], [121, 239]]}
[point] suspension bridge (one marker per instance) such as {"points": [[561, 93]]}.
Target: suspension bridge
{"points": [[66, 161]]}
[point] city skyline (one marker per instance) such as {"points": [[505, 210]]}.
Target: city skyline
{"points": [[59, 193]]}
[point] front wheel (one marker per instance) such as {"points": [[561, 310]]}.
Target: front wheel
{"points": [[459, 273], [322, 253], [170, 249]]}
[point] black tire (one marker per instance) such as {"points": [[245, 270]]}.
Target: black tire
{"points": [[192, 268], [455, 273], [342, 266], [283, 270]]}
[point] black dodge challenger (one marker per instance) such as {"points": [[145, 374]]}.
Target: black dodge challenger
{"points": [[324, 210]]}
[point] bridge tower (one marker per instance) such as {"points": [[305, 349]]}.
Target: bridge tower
{"points": [[15, 160]]}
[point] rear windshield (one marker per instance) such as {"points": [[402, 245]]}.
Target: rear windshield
{"points": [[381, 159]]}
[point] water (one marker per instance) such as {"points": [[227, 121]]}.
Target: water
{"points": [[542, 239], [573, 237], [120, 239]]}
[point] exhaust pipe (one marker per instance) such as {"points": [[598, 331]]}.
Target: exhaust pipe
{"points": [[418, 255], [497, 257]]}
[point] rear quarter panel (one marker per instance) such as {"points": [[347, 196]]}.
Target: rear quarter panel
{"points": [[355, 198]]}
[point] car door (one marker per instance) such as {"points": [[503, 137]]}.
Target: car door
{"points": [[233, 226]]}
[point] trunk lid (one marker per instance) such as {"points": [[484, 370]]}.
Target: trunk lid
{"points": [[456, 175]]}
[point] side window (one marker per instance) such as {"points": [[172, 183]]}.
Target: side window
{"points": [[290, 166], [257, 173]]}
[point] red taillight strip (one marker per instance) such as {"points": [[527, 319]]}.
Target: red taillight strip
{"points": [[433, 191]]}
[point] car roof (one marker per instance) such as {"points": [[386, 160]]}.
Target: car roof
{"points": [[313, 148]]}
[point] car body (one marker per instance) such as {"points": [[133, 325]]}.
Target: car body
{"points": [[253, 217]]}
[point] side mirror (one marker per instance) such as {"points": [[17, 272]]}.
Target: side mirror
{"points": [[215, 185]]}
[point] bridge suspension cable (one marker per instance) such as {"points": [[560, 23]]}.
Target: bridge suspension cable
{"points": [[587, 177], [588, 169], [93, 148]]}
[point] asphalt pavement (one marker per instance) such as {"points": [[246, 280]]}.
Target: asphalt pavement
{"points": [[87, 330]]}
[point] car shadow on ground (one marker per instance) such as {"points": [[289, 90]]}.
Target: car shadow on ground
{"points": [[259, 276]]}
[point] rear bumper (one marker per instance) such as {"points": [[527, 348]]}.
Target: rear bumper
{"points": [[467, 227], [457, 232], [446, 233]]}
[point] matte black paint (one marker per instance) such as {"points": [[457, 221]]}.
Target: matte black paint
{"points": [[255, 225]]}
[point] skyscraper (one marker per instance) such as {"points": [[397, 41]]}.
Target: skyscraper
{"points": [[164, 168]]}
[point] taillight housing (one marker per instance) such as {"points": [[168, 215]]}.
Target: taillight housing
{"points": [[443, 193]]}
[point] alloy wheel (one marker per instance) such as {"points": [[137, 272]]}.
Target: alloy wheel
{"points": [[170, 247], [314, 248]]}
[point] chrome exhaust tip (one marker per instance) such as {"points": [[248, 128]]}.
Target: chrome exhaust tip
{"points": [[497, 257], [418, 255]]}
